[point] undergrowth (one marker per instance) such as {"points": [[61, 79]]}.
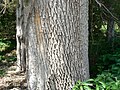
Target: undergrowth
{"points": [[7, 54]]}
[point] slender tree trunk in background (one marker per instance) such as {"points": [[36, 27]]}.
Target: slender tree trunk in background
{"points": [[56, 43], [110, 27], [110, 31], [20, 37]]}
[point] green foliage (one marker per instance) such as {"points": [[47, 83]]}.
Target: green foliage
{"points": [[7, 33], [2, 58], [4, 44], [110, 62], [11, 58], [2, 72], [7, 54], [102, 54], [105, 81]]}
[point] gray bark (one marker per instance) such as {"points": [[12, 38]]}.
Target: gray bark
{"points": [[110, 29], [56, 43], [20, 37]]}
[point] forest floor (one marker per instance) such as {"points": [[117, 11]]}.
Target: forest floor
{"points": [[11, 80]]}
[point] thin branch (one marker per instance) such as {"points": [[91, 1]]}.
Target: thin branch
{"points": [[102, 5], [3, 10]]}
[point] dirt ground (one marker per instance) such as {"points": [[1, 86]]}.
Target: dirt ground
{"points": [[13, 80]]}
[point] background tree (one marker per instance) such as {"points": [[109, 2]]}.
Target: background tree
{"points": [[20, 38]]}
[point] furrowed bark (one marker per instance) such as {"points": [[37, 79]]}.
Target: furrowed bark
{"points": [[56, 43]]}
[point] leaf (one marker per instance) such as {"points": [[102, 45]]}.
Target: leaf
{"points": [[103, 84], [87, 88], [97, 87], [81, 87], [89, 80], [87, 84]]}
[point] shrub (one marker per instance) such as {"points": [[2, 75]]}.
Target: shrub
{"points": [[2, 73], [105, 81], [4, 44]]}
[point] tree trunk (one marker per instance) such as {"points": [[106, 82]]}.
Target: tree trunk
{"points": [[20, 37], [56, 43], [110, 31]]}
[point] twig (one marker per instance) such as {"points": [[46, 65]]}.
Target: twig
{"points": [[102, 5]]}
